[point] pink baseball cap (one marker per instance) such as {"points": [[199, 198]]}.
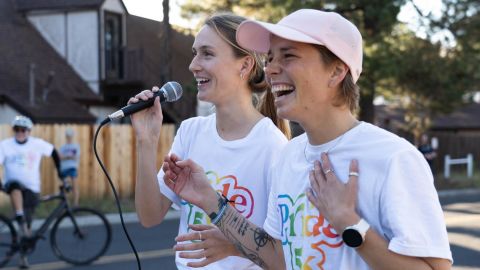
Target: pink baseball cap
{"points": [[329, 29]]}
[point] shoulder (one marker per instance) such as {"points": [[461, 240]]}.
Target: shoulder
{"points": [[6, 141], [269, 133], [197, 122], [39, 141], [291, 147], [382, 143], [295, 142]]}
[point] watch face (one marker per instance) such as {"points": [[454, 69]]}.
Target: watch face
{"points": [[352, 238]]}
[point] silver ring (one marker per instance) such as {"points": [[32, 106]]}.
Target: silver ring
{"points": [[200, 235], [327, 171], [353, 174]]}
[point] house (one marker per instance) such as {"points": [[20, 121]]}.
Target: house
{"points": [[77, 61], [457, 133]]}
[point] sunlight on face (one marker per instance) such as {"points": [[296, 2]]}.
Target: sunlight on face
{"points": [[299, 79], [214, 66]]}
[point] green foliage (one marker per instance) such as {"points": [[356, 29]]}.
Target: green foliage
{"points": [[433, 78], [462, 19]]}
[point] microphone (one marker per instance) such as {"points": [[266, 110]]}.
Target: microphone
{"points": [[170, 92]]}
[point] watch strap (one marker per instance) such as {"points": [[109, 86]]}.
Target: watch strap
{"points": [[362, 227]]}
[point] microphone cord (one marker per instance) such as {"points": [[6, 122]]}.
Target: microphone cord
{"points": [[114, 191]]}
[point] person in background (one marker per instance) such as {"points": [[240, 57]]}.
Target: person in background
{"points": [[21, 156], [345, 194], [236, 145], [70, 158], [427, 150]]}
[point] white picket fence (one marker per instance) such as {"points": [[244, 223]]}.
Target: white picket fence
{"points": [[458, 161]]}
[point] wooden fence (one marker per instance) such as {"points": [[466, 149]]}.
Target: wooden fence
{"points": [[115, 146], [457, 145]]}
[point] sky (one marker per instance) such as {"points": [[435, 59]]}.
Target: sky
{"points": [[152, 9]]}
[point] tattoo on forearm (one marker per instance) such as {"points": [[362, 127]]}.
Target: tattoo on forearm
{"points": [[243, 227], [238, 229], [248, 253], [261, 237]]}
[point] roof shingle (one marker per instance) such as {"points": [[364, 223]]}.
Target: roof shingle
{"points": [[22, 46]]}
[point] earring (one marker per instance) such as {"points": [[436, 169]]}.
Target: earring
{"points": [[241, 75]]}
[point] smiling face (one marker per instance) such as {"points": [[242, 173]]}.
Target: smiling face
{"points": [[215, 67], [299, 79]]}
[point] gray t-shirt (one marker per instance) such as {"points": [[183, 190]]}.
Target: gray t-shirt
{"points": [[71, 150]]}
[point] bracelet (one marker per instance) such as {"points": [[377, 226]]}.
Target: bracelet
{"points": [[220, 215], [223, 203]]}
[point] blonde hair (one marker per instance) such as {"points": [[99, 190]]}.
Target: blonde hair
{"points": [[226, 24]]}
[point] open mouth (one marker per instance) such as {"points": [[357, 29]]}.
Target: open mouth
{"points": [[282, 90], [202, 81]]}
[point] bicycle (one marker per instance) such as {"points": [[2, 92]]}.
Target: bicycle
{"points": [[71, 238]]}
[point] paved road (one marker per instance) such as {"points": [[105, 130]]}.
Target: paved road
{"points": [[119, 256], [462, 215]]}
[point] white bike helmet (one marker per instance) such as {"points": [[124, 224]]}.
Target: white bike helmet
{"points": [[22, 121]]}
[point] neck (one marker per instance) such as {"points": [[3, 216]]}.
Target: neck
{"points": [[328, 126], [236, 119], [21, 142]]}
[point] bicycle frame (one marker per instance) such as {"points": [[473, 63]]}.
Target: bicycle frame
{"points": [[61, 215], [28, 243], [59, 210]]}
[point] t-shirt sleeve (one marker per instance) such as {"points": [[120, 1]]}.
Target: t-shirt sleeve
{"points": [[272, 221], [178, 149], [2, 155], [411, 214], [44, 147]]}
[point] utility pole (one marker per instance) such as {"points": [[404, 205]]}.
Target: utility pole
{"points": [[166, 71]]}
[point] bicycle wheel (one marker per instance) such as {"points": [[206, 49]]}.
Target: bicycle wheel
{"points": [[8, 239], [84, 243]]}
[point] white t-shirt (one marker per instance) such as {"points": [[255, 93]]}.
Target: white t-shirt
{"points": [[236, 168], [71, 150], [22, 161], [396, 197]]}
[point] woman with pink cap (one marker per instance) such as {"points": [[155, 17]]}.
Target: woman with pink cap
{"points": [[346, 194]]}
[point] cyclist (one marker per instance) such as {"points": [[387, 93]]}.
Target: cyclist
{"points": [[20, 157]]}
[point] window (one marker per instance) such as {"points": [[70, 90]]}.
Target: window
{"points": [[113, 46]]}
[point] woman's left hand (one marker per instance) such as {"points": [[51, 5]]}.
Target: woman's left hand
{"points": [[208, 243], [334, 200]]}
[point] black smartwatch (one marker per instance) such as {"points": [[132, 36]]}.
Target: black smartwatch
{"points": [[354, 236]]}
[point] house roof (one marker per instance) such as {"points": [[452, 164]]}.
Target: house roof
{"points": [[26, 5], [22, 46], [465, 117]]}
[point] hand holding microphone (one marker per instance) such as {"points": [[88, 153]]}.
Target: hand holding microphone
{"points": [[147, 123], [170, 92]]}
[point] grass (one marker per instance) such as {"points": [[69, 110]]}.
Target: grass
{"points": [[458, 180], [104, 205]]}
